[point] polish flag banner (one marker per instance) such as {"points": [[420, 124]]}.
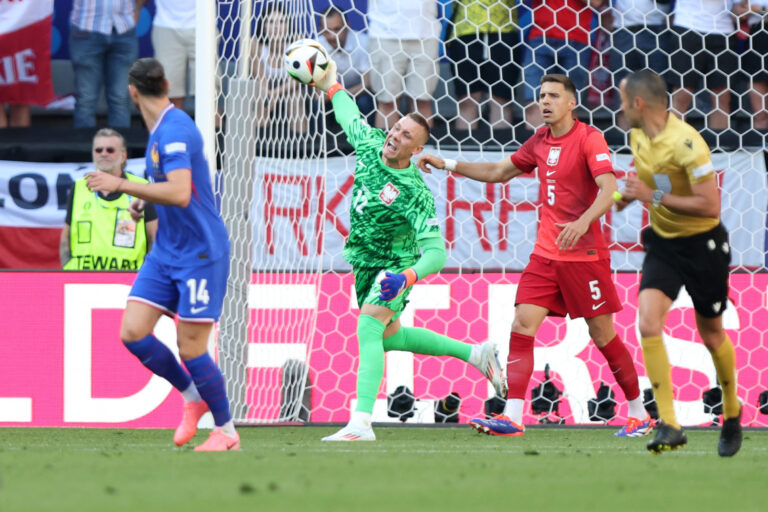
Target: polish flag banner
{"points": [[25, 51]]}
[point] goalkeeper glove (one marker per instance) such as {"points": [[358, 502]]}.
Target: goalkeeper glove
{"points": [[394, 284], [330, 77]]}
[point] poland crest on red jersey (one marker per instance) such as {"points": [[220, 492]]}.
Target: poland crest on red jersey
{"points": [[554, 156]]}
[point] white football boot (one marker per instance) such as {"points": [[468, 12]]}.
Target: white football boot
{"points": [[490, 367], [352, 433]]}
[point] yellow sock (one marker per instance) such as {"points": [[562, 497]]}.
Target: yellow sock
{"points": [[725, 364], [660, 374]]}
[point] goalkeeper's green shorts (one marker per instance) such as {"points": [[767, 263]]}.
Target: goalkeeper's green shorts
{"points": [[368, 289]]}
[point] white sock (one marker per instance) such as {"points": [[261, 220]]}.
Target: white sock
{"points": [[637, 409], [514, 410], [229, 428], [360, 419], [190, 394], [474, 356]]}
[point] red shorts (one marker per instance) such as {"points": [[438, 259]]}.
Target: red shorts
{"points": [[577, 288]]}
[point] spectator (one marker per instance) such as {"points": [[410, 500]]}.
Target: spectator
{"points": [[702, 56], [558, 42], [278, 98], [173, 38], [755, 59], [17, 116], [99, 233], [102, 45], [349, 49], [639, 27], [404, 48], [484, 38]]}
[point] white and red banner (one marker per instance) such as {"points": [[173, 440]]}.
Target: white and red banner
{"points": [[33, 207], [62, 363], [25, 51], [305, 219], [485, 225]]}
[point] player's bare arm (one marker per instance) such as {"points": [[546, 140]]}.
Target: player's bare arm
{"points": [[573, 231], [489, 172], [703, 202], [65, 252], [150, 229], [177, 191]]}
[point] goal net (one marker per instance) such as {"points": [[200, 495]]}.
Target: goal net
{"points": [[287, 341]]}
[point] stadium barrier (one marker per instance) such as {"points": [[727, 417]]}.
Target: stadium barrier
{"points": [[63, 364]]}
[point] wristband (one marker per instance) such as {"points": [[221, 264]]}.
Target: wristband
{"points": [[450, 164], [410, 277], [334, 89]]}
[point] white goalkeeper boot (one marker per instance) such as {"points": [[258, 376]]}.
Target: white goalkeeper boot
{"points": [[352, 433], [358, 429], [485, 358]]}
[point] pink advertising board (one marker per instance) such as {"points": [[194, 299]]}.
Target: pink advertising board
{"points": [[62, 362]]}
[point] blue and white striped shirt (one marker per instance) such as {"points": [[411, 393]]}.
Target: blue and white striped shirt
{"points": [[103, 15]]}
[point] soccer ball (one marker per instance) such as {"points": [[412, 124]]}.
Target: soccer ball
{"points": [[306, 61]]}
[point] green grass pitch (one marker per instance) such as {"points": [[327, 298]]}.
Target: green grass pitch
{"points": [[424, 469]]}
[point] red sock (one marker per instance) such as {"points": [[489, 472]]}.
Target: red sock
{"points": [[519, 364], [622, 366]]}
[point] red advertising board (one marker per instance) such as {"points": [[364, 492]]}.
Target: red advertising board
{"points": [[62, 362]]}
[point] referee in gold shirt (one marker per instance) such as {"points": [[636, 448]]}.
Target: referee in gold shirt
{"points": [[686, 245]]}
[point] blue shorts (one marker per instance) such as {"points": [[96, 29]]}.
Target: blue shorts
{"points": [[195, 293]]}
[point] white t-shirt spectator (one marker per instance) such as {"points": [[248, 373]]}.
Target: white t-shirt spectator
{"points": [[631, 13], [403, 19], [178, 14], [352, 61], [705, 16]]}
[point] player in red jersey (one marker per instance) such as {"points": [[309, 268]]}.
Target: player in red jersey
{"points": [[569, 271]]}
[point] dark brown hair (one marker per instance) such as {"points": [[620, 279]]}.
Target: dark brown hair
{"points": [[260, 30], [648, 85], [560, 79], [148, 77], [332, 10]]}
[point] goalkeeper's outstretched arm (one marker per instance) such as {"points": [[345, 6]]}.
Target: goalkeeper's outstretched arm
{"points": [[489, 172], [345, 110]]}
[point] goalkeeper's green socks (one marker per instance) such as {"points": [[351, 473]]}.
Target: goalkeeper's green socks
{"points": [[371, 368], [424, 341], [660, 375], [725, 364], [410, 339]]}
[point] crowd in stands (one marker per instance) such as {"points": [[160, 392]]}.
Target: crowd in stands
{"points": [[497, 51], [102, 46], [493, 53]]}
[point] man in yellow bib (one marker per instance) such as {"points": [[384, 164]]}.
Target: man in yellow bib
{"points": [[99, 233], [686, 245]]}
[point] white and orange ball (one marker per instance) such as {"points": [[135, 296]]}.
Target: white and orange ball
{"points": [[306, 61]]}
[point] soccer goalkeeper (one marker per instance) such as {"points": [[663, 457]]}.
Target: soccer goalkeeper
{"points": [[394, 240]]}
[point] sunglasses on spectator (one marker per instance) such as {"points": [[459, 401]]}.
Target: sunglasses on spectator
{"points": [[101, 150]]}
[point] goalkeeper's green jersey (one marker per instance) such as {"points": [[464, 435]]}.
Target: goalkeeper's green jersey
{"points": [[391, 209]]}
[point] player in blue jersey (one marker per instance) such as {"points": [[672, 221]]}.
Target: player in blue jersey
{"points": [[186, 274]]}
